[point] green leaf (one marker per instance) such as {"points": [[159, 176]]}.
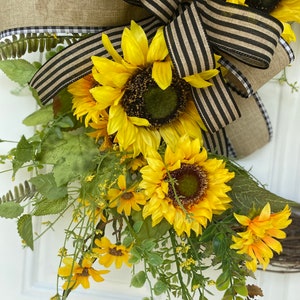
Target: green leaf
{"points": [[247, 193], [46, 185], [25, 230], [223, 281], [155, 259], [72, 156], [160, 287], [18, 70], [40, 117], [139, 279], [147, 231], [23, 153], [50, 207], [10, 210]]}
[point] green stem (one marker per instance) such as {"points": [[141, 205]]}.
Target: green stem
{"points": [[185, 292]]}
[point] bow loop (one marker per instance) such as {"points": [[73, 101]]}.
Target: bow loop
{"points": [[244, 33]]}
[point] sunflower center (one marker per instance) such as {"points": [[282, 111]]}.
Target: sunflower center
{"points": [[115, 252], [191, 183], [263, 5], [143, 98], [85, 272], [127, 195]]}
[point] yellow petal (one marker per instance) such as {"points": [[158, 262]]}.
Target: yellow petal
{"points": [[132, 51], [110, 48], [162, 74], [140, 37], [288, 34], [265, 213], [158, 50], [199, 80], [139, 121], [106, 96], [243, 220]]}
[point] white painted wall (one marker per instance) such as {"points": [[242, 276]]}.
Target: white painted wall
{"points": [[31, 276]]}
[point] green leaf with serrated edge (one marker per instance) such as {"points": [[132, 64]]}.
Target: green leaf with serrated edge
{"points": [[45, 184], [247, 193], [72, 156], [50, 207], [40, 117], [25, 230], [10, 210], [18, 70], [22, 153], [160, 288], [139, 279]]}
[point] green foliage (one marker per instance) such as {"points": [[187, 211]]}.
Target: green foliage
{"points": [[10, 210], [18, 70], [20, 193], [25, 230], [70, 155], [40, 117], [17, 46]]}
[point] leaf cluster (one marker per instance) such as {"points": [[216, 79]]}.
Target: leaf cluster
{"points": [[18, 45]]}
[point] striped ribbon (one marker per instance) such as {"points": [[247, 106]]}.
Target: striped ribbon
{"points": [[192, 32]]}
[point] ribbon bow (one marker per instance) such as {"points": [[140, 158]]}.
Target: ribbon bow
{"points": [[248, 40]]}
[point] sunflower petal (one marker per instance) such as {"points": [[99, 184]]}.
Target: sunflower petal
{"points": [[162, 73]]}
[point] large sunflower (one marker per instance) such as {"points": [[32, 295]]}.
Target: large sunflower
{"points": [[260, 235], [285, 11], [185, 187], [143, 94]]}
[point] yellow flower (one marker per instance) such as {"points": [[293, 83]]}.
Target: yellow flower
{"points": [[185, 187], [78, 274], [111, 253], [260, 236], [125, 198], [285, 11], [145, 98]]}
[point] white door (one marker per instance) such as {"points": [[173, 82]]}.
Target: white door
{"points": [[27, 275]]}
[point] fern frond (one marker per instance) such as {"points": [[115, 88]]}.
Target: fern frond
{"points": [[20, 193], [17, 46]]}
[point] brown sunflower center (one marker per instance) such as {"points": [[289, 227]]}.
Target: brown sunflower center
{"points": [[143, 98], [190, 186], [263, 5], [127, 196], [85, 272], [115, 252]]}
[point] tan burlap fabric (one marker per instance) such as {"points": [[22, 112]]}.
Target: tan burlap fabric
{"points": [[15, 13]]}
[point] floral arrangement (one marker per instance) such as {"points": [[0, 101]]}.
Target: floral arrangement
{"points": [[122, 149]]}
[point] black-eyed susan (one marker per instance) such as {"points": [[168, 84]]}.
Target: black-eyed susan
{"points": [[145, 98], [259, 239], [185, 187], [79, 274], [285, 11], [109, 253], [125, 199]]}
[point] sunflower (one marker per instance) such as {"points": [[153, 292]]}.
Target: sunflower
{"points": [[78, 274], [144, 96], [260, 236], [111, 253], [125, 198], [185, 187], [285, 11]]}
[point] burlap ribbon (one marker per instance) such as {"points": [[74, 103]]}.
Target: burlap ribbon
{"points": [[248, 40]]}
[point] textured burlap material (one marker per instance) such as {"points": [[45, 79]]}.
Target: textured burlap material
{"points": [[86, 13], [250, 132], [257, 77]]}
